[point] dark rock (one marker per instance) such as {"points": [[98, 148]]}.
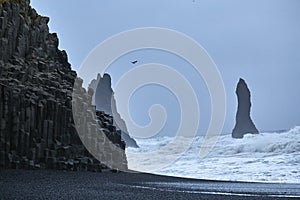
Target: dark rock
{"points": [[244, 124], [105, 101], [129, 141], [103, 94], [37, 128]]}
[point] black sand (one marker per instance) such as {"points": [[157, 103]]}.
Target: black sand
{"points": [[52, 184]]}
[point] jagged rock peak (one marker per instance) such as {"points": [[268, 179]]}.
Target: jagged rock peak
{"points": [[105, 101], [244, 124], [24, 35], [29, 54], [41, 107]]}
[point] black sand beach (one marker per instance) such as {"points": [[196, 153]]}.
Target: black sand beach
{"points": [[53, 184]]}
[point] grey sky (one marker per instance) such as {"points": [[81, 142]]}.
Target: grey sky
{"points": [[258, 40]]}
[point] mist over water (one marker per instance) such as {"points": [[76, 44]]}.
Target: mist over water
{"points": [[265, 157]]}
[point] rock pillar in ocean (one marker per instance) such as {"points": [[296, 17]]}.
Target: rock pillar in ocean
{"points": [[105, 101], [244, 124], [103, 94]]}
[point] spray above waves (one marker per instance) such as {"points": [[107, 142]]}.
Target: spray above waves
{"points": [[286, 142], [266, 157]]}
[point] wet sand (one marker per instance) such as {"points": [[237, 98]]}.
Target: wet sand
{"points": [[54, 184]]}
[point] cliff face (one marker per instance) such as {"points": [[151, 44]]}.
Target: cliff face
{"points": [[105, 101], [244, 124], [36, 83]]}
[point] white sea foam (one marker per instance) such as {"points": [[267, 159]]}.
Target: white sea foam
{"points": [[266, 157]]}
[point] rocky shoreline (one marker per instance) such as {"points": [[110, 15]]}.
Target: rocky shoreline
{"points": [[47, 119], [37, 128]]}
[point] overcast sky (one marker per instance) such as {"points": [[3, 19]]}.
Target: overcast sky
{"points": [[258, 40]]}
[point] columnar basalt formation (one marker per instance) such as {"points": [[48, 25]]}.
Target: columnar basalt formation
{"points": [[244, 124], [36, 83], [105, 101]]}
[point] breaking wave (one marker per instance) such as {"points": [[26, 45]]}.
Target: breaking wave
{"points": [[264, 157]]}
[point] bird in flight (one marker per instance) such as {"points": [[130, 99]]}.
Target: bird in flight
{"points": [[134, 62]]}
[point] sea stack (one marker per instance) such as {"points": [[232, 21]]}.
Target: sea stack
{"points": [[244, 124], [105, 101], [103, 94]]}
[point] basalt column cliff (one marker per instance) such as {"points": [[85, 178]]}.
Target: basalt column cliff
{"points": [[37, 127]]}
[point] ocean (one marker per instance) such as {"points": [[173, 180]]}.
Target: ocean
{"points": [[264, 157]]}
